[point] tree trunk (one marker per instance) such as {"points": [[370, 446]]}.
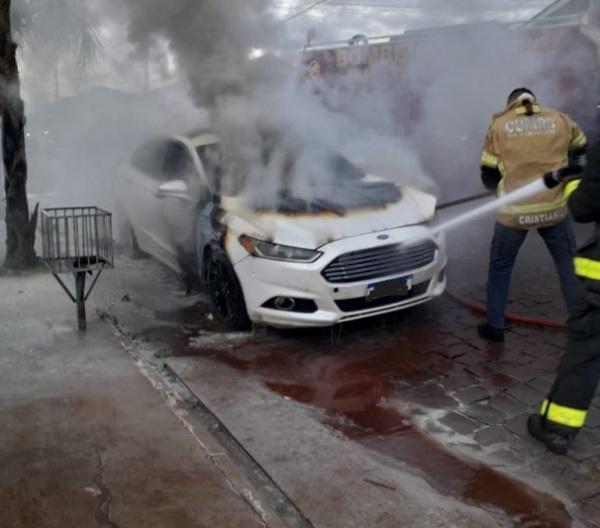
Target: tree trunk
{"points": [[20, 228]]}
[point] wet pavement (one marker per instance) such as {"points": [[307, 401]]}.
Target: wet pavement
{"points": [[352, 385], [403, 420], [410, 404], [87, 441]]}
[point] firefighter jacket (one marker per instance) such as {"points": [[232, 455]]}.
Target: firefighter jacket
{"points": [[522, 146], [584, 204]]}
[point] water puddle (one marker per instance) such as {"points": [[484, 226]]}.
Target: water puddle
{"points": [[349, 377]]}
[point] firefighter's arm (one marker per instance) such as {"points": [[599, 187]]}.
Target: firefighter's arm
{"points": [[583, 191], [577, 150], [584, 197], [490, 164], [576, 162]]}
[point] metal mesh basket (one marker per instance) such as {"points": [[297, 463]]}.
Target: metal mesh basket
{"points": [[77, 239]]}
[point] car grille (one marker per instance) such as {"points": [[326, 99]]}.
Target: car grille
{"points": [[380, 262], [361, 303]]}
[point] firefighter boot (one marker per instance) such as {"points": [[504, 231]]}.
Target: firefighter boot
{"points": [[487, 331], [556, 438]]}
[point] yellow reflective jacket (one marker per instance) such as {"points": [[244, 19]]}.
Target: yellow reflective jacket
{"points": [[525, 147]]}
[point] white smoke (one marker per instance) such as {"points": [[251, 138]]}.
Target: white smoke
{"points": [[431, 111], [261, 109], [441, 88]]}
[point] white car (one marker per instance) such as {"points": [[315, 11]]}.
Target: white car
{"points": [[361, 250]]}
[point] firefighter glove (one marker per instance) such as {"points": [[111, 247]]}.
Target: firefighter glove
{"points": [[556, 177]]}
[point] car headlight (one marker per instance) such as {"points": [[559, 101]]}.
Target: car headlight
{"points": [[268, 250]]}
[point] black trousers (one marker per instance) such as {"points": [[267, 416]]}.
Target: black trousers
{"points": [[579, 370]]}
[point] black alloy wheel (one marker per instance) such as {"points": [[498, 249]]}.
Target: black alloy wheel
{"points": [[225, 292]]}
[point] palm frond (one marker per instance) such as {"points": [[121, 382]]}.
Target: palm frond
{"points": [[56, 29]]}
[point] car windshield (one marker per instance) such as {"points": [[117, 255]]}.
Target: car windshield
{"points": [[313, 180]]}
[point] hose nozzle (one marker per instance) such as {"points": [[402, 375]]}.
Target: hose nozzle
{"points": [[552, 179], [555, 178]]}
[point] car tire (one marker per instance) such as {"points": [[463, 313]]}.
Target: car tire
{"points": [[225, 292]]}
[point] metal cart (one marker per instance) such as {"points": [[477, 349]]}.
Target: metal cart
{"points": [[77, 240]]}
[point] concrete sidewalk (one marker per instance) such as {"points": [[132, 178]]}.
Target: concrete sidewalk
{"points": [[86, 439]]}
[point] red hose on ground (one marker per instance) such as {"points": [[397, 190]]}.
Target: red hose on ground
{"points": [[479, 308]]}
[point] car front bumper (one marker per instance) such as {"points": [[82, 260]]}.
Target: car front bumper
{"points": [[263, 280]]}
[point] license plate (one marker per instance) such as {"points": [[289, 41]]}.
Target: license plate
{"points": [[389, 288]]}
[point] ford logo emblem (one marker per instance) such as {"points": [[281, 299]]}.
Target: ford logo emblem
{"points": [[383, 237]]}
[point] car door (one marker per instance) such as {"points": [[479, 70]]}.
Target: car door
{"points": [[179, 197], [137, 192]]}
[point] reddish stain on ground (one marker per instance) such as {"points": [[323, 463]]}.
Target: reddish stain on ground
{"points": [[499, 380], [352, 380]]}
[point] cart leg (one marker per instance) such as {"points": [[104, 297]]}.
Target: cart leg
{"points": [[80, 298]]}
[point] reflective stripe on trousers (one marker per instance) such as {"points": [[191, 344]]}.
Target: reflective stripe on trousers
{"points": [[562, 415], [587, 268]]}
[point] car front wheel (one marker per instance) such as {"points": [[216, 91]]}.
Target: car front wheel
{"points": [[225, 292]]}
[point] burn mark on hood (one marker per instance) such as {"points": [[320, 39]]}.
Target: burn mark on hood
{"points": [[339, 200], [296, 178], [211, 228], [219, 227], [215, 213]]}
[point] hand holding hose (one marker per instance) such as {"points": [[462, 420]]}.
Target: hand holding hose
{"points": [[577, 162], [556, 177]]}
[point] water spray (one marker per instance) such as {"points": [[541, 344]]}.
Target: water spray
{"points": [[528, 190], [548, 181]]}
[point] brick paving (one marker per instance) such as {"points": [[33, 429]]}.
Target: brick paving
{"points": [[488, 397], [490, 389]]}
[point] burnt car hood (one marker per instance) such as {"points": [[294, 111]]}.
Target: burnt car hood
{"points": [[313, 230]]}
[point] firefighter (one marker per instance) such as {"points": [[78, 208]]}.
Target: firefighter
{"points": [[564, 412], [524, 142]]}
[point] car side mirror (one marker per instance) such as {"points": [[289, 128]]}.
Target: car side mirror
{"points": [[173, 189]]}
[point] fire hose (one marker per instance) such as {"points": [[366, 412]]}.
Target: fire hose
{"points": [[513, 318], [480, 308], [468, 199]]}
